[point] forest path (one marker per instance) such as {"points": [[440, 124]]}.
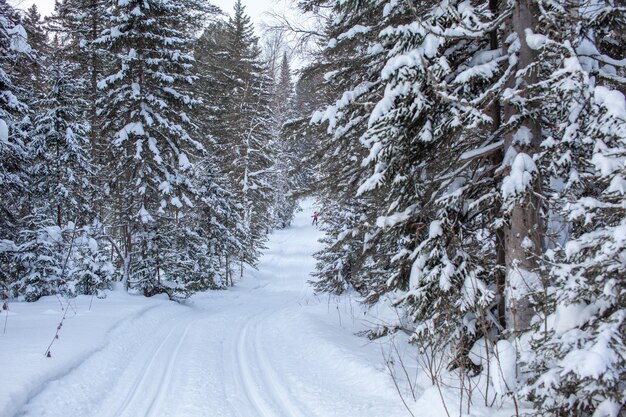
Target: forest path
{"points": [[267, 348]]}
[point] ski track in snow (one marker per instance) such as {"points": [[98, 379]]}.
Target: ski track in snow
{"points": [[267, 348], [146, 393]]}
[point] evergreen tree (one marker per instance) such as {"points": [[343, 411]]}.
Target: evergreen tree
{"points": [[251, 121], [13, 140], [427, 150], [300, 136], [346, 72], [38, 259], [479, 122], [285, 154], [583, 152], [219, 222], [151, 146], [33, 76], [77, 25], [240, 121], [283, 93], [61, 167], [91, 270], [32, 22]]}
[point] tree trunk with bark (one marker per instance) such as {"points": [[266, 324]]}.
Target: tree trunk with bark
{"points": [[523, 233]]}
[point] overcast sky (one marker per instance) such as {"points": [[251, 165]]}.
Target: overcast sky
{"points": [[254, 8]]}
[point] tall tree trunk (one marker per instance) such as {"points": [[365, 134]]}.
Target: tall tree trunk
{"points": [[495, 111], [93, 87], [522, 236]]}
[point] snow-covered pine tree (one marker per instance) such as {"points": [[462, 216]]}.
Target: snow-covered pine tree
{"points": [[13, 141], [286, 176], [239, 119], [151, 147], [251, 122], [349, 71], [77, 25], [61, 166], [578, 351]]}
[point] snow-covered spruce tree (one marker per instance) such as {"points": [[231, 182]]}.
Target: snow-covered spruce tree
{"points": [[286, 176], [239, 119], [432, 223], [283, 98], [252, 167], [213, 84], [61, 165], [218, 219], [578, 352], [33, 75], [580, 348], [38, 259], [77, 25], [36, 255], [340, 264], [90, 270], [221, 205], [468, 144], [350, 71], [300, 136], [59, 258], [33, 24], [150, 144], [68, 260], [13, 138]]}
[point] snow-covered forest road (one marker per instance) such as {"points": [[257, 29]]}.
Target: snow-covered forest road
{"points": [[269, 347]]}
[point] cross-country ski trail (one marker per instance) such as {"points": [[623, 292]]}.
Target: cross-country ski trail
{"points": [[269, 347]]}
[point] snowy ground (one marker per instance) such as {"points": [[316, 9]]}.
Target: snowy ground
{"points": [[269, 347]]}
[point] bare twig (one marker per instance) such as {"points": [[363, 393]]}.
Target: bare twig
{"points": [[69, 301], [388, 364]]}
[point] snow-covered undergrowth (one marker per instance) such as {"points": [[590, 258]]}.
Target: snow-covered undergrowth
{"points": [[421, 375]]}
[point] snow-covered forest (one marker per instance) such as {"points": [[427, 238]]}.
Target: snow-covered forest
{"points": [[140, 144], [467, 160]]}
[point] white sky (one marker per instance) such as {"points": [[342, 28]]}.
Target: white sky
{"points": [[258, 10], [254, 8]]}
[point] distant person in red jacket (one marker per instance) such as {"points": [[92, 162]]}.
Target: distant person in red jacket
{"points": [[315, 218]]}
